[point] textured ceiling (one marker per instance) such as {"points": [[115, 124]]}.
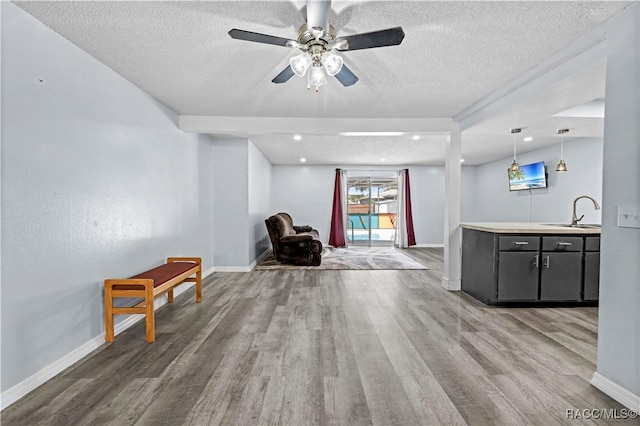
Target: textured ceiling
{"points": [[360, 150], [454, 53]]}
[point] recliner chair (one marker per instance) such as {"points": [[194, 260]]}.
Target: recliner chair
{"points": [[298, 245]]}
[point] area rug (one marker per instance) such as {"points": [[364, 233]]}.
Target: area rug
{"points": [[350, 258]]}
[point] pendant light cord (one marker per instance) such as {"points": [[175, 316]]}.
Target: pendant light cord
{"points": [[515, 132]]}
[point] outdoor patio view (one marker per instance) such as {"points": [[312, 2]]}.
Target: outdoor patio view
{"points": [[372, 208]]}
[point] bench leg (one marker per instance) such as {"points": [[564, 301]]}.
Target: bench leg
{"points": [[150, 315], [199, 285], [108, 315], [170, 296]]}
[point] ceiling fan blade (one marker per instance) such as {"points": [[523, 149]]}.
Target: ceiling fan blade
{"points": [[260, 38], [284, 75], [318, 13], [346, 76], [388, 37]]}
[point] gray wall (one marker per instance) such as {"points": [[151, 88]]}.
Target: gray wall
{"points": [[492, 201], [97, 182], [619, 313], [259, 201], [242, 190], [306, 192], [230, 217], [468, 193]]}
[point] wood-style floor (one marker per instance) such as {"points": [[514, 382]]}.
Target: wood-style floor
{"points": [[332, 347]]}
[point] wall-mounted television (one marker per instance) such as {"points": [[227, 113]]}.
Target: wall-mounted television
{"points": [[530, 176]]}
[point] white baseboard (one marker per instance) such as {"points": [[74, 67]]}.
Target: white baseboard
{"points": [[16, 392], [429, 245], [13, 394], [262, 256], [233, 269], [242, 268], [617, 392], [451, 285]]}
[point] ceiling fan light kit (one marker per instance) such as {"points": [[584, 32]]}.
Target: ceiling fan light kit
{"points": [[317, 77], [332, 64], [316, 40], [300, 64]]}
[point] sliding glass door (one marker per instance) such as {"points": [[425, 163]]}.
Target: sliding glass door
{"points": [[372, 207]]}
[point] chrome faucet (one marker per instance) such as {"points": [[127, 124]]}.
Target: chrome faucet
{"points": [[574, 219]]}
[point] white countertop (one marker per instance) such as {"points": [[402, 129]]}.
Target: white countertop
{"points": [[528, 228]]}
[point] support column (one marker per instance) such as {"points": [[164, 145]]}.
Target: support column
{"points": [[452, 232]]}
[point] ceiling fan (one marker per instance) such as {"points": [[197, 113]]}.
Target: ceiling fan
{"points": [[316, 40]]}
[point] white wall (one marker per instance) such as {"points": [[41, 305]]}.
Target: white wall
{"points": [[97, 182], [306, 192], [619, 313], [492, 201], [259, 202]]}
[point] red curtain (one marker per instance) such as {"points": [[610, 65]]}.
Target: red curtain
{"points": [[336, 235], [411, 236]]}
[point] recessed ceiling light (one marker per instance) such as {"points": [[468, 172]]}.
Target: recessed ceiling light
{"points": [[303, 160], [372, 133], [528, 139], [382, 159], [416, 137], [297, 137], [462, 160]]}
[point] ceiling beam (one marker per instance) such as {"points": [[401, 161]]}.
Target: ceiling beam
{"points": [[247, 126], [581, 53]]}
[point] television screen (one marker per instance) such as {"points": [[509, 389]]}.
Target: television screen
{"points": [[530, 176]]}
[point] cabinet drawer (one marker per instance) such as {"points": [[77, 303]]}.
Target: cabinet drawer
{"points": [[561, 243], [519, 243], [592, 244]]}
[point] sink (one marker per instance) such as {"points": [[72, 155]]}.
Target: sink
{"points": [[580, 225]]}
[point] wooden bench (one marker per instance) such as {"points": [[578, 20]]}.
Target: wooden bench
{"points": [[148, 285]]}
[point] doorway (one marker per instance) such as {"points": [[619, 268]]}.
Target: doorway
{"points": [[371, 208]]}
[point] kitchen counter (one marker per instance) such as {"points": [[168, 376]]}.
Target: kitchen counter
{"points": [[531, 263], [530, 228]]}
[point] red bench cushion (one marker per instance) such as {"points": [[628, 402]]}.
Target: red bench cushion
{"points": [[160, 274]]}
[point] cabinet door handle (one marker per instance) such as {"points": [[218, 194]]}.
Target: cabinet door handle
{"points": [[561, 243], [520, 243], [536, 261], [547, 262]]}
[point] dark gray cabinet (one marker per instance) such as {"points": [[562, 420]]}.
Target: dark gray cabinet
{"points": [[561, 274], [518, 263], [591, 268], [561, 277], [518, 276], [505, 268]]}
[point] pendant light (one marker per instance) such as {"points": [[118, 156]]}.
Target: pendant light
{"points": [[515, 167], [561, 167]]}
